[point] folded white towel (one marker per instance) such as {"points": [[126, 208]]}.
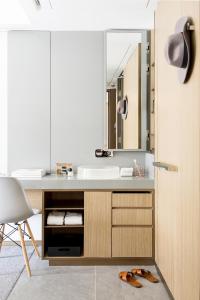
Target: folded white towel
{"points": [[29, 173], [126, 172], [56, 218], [73, 218]]}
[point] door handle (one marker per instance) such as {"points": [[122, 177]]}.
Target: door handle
{"points": [[167, 167]]}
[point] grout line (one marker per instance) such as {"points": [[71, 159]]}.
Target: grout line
{"points": [[14, 285]]}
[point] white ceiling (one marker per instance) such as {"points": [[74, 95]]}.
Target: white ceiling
{"points": [[80, 14], [12, 14]]}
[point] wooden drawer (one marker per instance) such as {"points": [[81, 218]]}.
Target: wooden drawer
{"points": [[131, 216], [34, 198], [132, 200], [131, 242]]}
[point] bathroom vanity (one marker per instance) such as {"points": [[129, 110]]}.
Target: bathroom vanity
{"points": [[118, 219]]}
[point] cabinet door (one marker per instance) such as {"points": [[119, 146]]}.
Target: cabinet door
{"points": [[131, 241], [97, 221]]}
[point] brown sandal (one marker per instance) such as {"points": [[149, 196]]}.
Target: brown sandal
{"points": [[145, 274], [130, 278]]}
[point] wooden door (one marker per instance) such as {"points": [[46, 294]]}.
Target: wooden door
{"points": [[97, 221], [178, 143]]}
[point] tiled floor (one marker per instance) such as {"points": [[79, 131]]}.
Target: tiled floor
{"points": [[68, 283]]}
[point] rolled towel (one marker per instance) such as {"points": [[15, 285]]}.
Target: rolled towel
{"points": [[56, 218], [73, 218]]}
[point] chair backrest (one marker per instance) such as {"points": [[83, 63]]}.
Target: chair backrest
{"points": [[13, 204]]}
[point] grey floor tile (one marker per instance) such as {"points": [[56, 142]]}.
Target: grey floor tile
{"points": [[68, 286], [69, 282], [149, 291], [11, 259], [41, 267], [7, 283], [11, 251], [108, 285]]}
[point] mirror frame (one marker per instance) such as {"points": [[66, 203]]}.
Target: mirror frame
{"points": [[145, 89]]}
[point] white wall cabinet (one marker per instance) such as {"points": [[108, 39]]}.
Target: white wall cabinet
{"points": [[28, 100]]}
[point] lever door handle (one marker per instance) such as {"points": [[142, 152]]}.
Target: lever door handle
{"points": [[167, 167]]}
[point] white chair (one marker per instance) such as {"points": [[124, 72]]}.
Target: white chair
{"points": [[15, 209]]}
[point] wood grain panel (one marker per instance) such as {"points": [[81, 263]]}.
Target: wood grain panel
{"points": [[178, 143], [97, 218], [131, 242], [131, 216], [34, 198], [132, 200]]}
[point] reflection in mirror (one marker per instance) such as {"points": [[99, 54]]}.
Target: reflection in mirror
{"points": [[126, 87]]}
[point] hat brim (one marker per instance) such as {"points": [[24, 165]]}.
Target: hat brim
{"points": [[181, 26]]}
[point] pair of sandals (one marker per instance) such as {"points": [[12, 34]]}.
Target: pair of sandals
{"points": [[130, 278]]}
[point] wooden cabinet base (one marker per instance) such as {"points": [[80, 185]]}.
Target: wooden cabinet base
{"points": [[99, 261], [110, 233]]}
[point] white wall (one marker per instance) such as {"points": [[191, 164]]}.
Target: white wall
{"points": [[28, 99]]}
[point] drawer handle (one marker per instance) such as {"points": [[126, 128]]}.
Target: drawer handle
{"points": [[165, 166]]}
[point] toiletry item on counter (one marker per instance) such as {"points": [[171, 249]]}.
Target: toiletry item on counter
{"points": [[126, 172], [138, 171], [70, 172], [61, 168], [28, 173], [73, 218], [56, 218]]}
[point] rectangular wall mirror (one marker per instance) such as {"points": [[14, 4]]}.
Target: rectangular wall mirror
{"points": [[127, 89]]}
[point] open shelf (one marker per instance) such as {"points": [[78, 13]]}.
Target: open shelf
{"points": [[46, 212], [64, 200], [64, 208], [63, 240]]}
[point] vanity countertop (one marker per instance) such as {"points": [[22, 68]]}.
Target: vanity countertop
{"points": [[53, 182]]}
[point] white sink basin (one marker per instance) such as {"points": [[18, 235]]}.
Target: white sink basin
{"points": [[98, 172]]}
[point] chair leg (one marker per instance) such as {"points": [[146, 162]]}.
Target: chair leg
{"points": [[2, 228], [24, 250], [32, 238]]}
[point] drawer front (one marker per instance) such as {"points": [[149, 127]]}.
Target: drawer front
{"points": [[131, 216], [132, 200], [131, 242]]}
